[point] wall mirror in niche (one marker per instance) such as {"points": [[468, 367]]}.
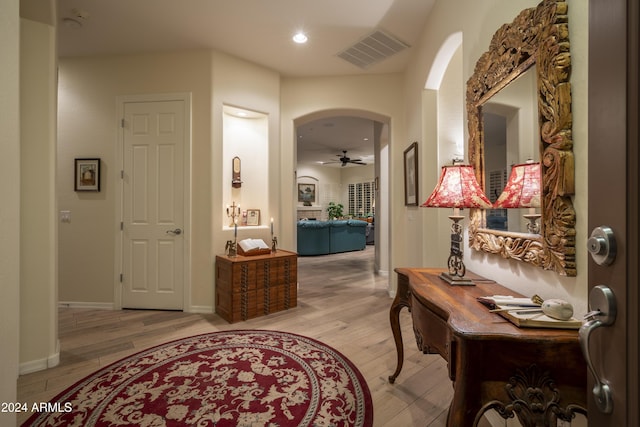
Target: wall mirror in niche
{"points": [[537, 39]]}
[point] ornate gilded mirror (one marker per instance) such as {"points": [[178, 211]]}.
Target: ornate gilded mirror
{"points": [[538, 38]]}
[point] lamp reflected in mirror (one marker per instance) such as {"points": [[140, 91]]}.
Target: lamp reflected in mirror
{"points": [[510, 135], [457, 188], [523, 191]]}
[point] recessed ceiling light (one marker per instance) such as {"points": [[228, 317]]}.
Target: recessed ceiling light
{"points": [[300, 38]]}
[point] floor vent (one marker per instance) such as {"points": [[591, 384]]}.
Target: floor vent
{"points": [[372, 49]]}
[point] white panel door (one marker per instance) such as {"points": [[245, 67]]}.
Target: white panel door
{"points": [[153, 205]]}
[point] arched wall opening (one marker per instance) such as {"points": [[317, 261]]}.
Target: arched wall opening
{"points": [[380, 148], [444, 77], [443, 127]]}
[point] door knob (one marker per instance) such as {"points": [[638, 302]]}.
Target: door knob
{"points": [[602, 303], [175, 232]]}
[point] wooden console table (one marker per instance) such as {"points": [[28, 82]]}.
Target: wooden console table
{"points": [[538, 375], [252, 286]]}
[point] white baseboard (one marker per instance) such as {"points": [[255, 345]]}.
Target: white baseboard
{"points": [[33, 366], [41, 364], [54, 359], [200, 309], [80, 304]]}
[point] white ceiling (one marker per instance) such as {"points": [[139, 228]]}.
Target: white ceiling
{"points": [[324, 140], [256, 30], [259, 31]]}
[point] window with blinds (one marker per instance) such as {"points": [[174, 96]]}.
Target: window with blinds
{"points": [[497, 218], [361, 199]]}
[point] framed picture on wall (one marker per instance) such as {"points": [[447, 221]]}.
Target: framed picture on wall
{"points": [[87, 175], [411, 175], [307, 194], [253, 216]]}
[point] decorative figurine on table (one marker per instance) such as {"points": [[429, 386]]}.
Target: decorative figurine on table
{"points": [[274, 239], [230, 248]]}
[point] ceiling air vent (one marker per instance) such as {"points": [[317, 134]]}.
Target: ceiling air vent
{"points": [[372, 49]]}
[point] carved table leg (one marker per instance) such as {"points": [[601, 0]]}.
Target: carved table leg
{"points": [[401, 300]]}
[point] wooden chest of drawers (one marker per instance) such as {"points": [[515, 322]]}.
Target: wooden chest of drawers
{"points": [[253, 286]]}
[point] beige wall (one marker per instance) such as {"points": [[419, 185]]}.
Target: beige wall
{"points": [[433, 118], [450, 143], [242, 84], [478, 23], [38, 233], [379, 96], [87, 125], [89, 128], [10, 206]]}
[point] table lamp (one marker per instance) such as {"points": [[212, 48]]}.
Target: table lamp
{"points": [[523, 191], [457, 188]]}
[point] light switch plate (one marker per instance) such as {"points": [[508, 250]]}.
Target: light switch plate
{"points": [[65, 216]]}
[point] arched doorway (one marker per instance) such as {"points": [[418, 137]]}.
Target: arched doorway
{"points": [[321, 139]]}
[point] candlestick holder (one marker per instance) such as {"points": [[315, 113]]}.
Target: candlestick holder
{"points": [[233, 212], [274, 244]]}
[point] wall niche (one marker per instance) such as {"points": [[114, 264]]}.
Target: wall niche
{"points": [[245, 135]]}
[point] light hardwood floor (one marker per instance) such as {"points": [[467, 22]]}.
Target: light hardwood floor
{"points": [[341, 302]]}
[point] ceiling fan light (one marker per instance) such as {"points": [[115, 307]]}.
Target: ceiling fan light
{"points": [[344, 160]]}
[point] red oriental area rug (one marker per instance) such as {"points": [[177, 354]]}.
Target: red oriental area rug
{"points": [[234, 378]]}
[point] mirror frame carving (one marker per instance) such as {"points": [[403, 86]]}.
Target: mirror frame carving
{"points": [[537, 36]]}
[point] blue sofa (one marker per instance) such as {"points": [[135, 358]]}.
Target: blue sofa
{"points": [[330, 237]]}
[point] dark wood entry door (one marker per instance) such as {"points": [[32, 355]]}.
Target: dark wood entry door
{"points": [[613, 199]]}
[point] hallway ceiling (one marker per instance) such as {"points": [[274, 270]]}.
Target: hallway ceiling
{"points": [[324, 140], [259, 31], [256, 30]]}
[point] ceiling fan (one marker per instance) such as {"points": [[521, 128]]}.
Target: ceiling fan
{"points": [[344, 160]]}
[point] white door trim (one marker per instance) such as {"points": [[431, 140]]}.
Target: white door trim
{"points": [[119, 191]]}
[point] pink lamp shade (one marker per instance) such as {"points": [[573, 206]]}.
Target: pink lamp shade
{"points": [[458, 188], [522, 189]]}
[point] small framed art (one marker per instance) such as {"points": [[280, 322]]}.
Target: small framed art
{"points": [[411, 175], [253, 216], [307, 194], [87, 175]]}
